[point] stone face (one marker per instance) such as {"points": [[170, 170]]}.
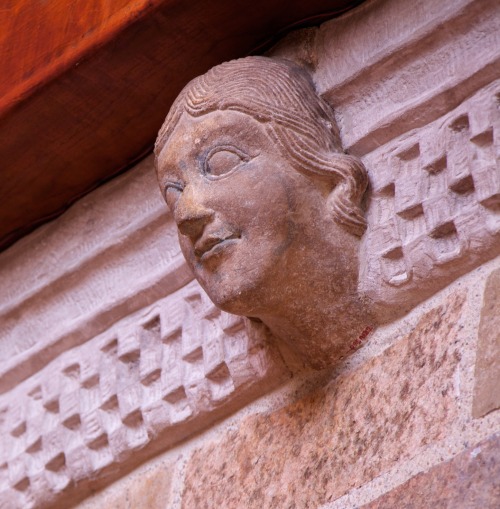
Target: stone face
{"points": [[433, 211], [487, 371], [250, 163], [471, 480], [315, 450]]}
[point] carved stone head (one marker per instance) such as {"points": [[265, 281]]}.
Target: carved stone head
{"points": [[268, 207]]}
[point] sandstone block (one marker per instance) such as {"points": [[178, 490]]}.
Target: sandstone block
{"points": [[151, 489], [487, 371], [471, 480], [315, 450]]}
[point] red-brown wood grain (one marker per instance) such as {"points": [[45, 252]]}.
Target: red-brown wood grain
{"points": [[85, 85], [40, 39]]}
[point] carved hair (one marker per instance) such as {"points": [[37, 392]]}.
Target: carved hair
{"points": [[282, 95]]}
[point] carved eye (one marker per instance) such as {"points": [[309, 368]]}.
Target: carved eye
{"points": [[221, 161], [172, 192]]}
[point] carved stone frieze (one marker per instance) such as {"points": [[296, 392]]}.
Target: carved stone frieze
{"points": [[114, 252], [385, 80], [148, 382], [434, 211], [111, 353]]}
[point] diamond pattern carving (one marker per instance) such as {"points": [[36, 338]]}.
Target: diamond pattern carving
{"points": [[435, 207], [101, 403]]}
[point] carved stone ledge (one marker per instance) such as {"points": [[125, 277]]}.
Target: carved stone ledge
{"points": [[140, 387], [435, 208], [112, 253], [387, 80]]}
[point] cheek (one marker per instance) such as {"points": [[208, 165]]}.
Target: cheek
{"points": [[253, 197]]}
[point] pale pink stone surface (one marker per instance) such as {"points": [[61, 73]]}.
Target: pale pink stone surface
{"points": [[315, 450], [487, 372], [471, 480]]}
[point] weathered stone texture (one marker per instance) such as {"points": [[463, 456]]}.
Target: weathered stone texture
{"points": [[84, 400], [275, 193], [151, 489], [145, 384], [316, 449], [434, 210], [487, 372], [113, 253], [391, 66], [471, 480]]}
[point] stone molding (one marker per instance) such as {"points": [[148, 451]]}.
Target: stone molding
{"points": [[434, 211], [57, 286], [394, 87], [140, 387], [112, 253], [386, 79]]}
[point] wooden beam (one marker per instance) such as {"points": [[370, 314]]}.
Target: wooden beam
{"points": [[85, 85]]}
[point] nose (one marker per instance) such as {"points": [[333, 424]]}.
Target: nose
{"points": [[191, 215]]}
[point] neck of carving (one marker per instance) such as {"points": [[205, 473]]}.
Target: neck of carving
{"points": [[323, 317]]}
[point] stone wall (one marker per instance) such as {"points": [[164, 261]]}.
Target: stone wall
{"points": [[394, 426], [119, 375]]}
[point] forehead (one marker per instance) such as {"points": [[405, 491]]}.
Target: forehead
{"points": [[193, 135]]}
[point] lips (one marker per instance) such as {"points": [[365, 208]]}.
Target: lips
{"points": [[208, 244]]}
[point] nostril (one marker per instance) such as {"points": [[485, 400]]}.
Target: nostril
{"points": [[192, 226], [190, 214]]}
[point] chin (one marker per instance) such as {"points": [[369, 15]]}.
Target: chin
{"points": [[238, 300], [231, 302], [235, 285]]}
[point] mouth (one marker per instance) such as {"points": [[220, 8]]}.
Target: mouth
{"points": [[213, 244]]}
